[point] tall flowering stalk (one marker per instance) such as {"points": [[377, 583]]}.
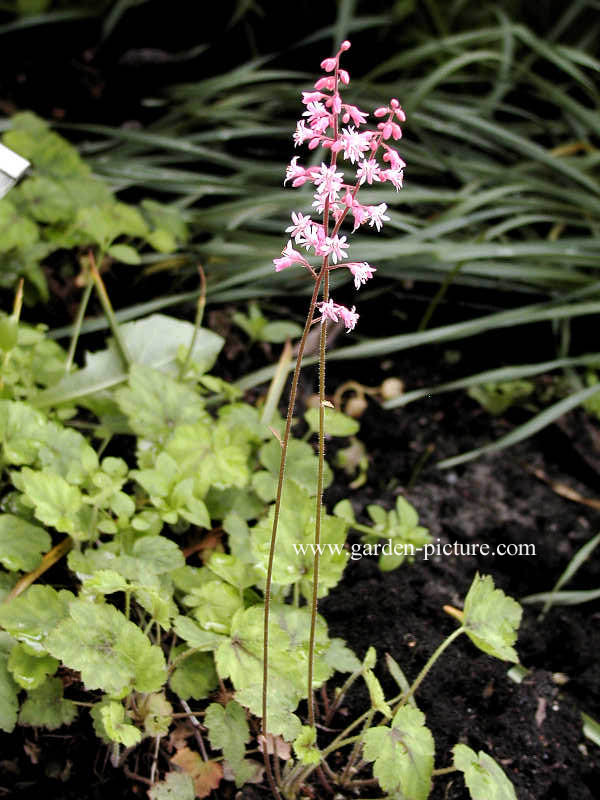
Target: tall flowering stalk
{"points": [[337, 127]]}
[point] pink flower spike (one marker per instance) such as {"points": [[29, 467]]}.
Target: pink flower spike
{"points": [[381, 111], [361, 272], [328, 64], [344, 76]]}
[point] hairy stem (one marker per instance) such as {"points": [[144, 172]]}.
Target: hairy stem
{"points": [[319, 506], [276, 514]]}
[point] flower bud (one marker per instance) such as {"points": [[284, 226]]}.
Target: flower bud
{"points": [[328, 64], [391, 388], [356, 406]]}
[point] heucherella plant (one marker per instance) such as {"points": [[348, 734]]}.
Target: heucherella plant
{"points": [[334, 126], [403, 750]]}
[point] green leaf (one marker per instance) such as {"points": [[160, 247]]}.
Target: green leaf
{"points": [[47, 200], [157, 713], [305, 746], [125, 254], [491, 619], [22, 431], [484, 778], [302, 464], [111, 652], [197, 638], [21, 543], [155, 341], [376, 694], [156, 404], [159, 553], [46, 707], [336, 423], [400, 526], [162, 241], [216, 603], [117, 725], [195, 676], [296, 534], [30, 671], [9, 702], [176, 786], [228, 731], [9, 333], [31, 616], [403, 754], [55, 501], [15, 229], [279, 331], [232, 570]]}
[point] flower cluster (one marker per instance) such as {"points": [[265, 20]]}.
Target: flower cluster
{"points": [[330, 123]]}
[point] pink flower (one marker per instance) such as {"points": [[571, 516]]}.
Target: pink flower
{"points": [[361, 272], [353, 113], [289, 257], [349, 317], [312, 97], [360, 214], [354, 144], [328, 64], [328, 181], [333, 246], [392, 158], [335, 312], [376, 215], [329, 310], [300, 226], [293, 172], [325, 83], [394, 176], [368, 171], [381, 111], [398, 110], [390, 130]]}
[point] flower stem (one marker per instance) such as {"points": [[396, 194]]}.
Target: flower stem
{"points": [[276, 514], [430, 662], [319, 507]]}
